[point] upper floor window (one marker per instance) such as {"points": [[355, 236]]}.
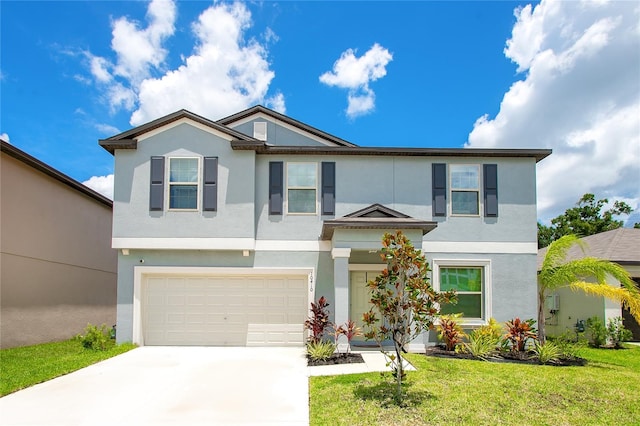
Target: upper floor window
{"points": [[465, 189], [183, 183], [302, 183]]}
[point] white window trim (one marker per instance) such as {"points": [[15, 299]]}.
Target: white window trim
{"points": [[486, 284], [478, 190], [169, 183], [287, 188]]}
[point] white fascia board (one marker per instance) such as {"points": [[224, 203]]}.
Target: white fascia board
{"points": [[219, 244], [479, 247], [292, 245], [188, 121], [184, 243], [287, 126]]}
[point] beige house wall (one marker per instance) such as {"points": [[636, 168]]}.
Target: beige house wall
{"points": [[57, 268]]}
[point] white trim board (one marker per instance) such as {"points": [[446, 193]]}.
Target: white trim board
{"points": [[479, 247], [219, 244]]}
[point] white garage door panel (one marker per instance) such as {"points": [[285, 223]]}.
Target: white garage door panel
{"points": [[225, 311]]}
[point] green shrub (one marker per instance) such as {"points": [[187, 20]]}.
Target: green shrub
{"points": [[549, 352], [96, 338], [597, 332], [491, 331], [481, 344], [321, 350], [617, 333], [569, 345]]}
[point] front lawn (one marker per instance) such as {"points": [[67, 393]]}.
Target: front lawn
{"points": [[25, 366], [454, 391]]}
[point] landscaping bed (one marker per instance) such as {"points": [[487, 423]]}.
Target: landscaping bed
{"points": [[505, 356], [334, 359]]}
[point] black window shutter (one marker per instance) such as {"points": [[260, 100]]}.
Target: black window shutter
{"points": [[276, 183], [156, 193], [439, 189], [328, 188], [490, 173], [210, 184]]}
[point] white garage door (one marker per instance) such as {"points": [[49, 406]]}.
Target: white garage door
{"points": [[224, 310]]}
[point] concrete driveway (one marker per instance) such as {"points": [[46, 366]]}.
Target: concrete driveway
{"points": [[172, 386]]}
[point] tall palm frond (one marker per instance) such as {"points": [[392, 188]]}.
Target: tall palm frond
{"points": [[628, 299], [556, 272]]}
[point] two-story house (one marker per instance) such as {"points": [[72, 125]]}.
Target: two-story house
{"points": [[228, 229]]}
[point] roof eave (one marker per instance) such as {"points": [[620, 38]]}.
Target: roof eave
{"points": [[168, 119], [112, 145], [42, 167], [538, 154], [330, 226]]}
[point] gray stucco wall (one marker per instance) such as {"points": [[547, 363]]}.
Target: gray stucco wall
{"points": [[320, 261], [404, 184], [234, 218]]}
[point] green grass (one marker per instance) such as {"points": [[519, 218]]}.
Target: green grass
{"points": [[25, 366], [453, 392]]}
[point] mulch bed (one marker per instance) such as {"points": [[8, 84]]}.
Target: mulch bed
{"points": [[517, 358], [349, 358]]}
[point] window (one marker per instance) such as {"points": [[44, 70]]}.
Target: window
{"points": [[183, 183], [465, 189], [471, 281], [467, 282], [302, 181]]}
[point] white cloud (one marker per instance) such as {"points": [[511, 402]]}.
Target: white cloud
{"points": [[107, 129], [140, 49], [579, 95], [276, 103], [5, 137], [101, 184], [224, 74], [355, 74]]}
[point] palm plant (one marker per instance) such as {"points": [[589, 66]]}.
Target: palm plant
{"points": [[556, 273]]}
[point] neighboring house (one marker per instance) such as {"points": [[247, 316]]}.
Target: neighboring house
{"points": [[564, 308], [228, 229], [57, 267]]}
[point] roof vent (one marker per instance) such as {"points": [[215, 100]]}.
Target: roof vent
{"points": [[260, 130]]}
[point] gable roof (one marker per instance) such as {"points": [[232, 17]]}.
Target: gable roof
{"points": [[620, 245], [281, 117], [127, 140], [240, 141], [18, 154], [376, 216]]}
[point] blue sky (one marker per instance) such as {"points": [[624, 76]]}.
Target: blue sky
{"points": [[560, 75]]}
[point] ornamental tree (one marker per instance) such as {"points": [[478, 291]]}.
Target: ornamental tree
{"points": [[404, 304]]}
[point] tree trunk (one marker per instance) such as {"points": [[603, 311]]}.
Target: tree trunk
{"points": [[542, 335], [399, 370]]}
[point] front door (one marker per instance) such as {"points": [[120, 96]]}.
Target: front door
{"points": [[360, 296]]}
